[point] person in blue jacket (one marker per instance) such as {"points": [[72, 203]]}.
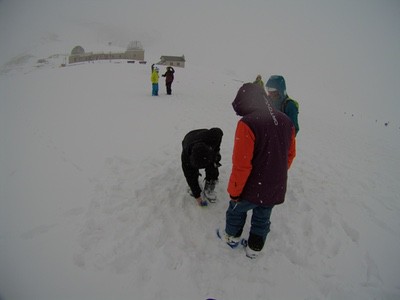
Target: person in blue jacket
{"points": [[276, 90]]}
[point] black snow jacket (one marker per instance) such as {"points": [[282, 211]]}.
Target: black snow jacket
{"points": [[212, 138]]}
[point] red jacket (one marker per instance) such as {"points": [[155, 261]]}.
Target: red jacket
{"points": [[263, 151]]}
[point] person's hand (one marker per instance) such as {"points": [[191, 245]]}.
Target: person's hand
{"points": [[201, 202], [217, 160]]}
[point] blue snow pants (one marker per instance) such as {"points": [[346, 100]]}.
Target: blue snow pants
{"points": [[155, 89], [236, 218]]}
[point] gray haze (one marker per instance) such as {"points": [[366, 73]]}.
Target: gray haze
{"points": [[349, 49]]}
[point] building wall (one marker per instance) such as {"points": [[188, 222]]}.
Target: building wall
{"points": [[174, 63], [131, 54]]}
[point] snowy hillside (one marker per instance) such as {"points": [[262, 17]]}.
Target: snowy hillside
{"points": [[93, 201]]}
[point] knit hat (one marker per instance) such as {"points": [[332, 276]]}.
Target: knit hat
{"points": [[201, 156]]}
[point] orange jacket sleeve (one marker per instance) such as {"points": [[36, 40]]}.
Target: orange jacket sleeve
{"points": [[241, 159], [292, 149]]}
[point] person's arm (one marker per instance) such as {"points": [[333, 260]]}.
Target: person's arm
{"points": [[291, 111], [241, 160], [192, 177], [292, 149]]}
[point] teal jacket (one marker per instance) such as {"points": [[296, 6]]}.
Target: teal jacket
{"points": [[285, 103], [291, 110]]}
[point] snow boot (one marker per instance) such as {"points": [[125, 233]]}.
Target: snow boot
{"points": [[231, 241], [209, 190], [254, 246], [250, 253]]}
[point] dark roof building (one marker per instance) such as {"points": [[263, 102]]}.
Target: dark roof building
{"points": [[176, 61]]}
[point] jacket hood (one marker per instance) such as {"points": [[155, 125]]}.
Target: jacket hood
{"points": [[277, 82], [249, 98]]}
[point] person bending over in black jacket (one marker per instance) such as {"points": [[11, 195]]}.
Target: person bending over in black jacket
{"points": [[201, 150]]}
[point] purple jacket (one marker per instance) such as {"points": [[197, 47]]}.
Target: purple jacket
{"points": [[169, 75], [263, 144]]}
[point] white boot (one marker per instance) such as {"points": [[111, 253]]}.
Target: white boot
{"points": [[250, 253]]}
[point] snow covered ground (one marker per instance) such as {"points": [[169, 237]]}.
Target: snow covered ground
{"points": [[93, 202]]}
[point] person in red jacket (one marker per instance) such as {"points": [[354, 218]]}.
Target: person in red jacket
{"points": [[264, 149]]}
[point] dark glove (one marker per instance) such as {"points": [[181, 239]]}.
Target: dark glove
{"points": [[217, 165], [217, 159]]}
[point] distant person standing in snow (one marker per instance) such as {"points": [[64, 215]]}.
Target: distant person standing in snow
{"points": [[154, 80], [169, 78], [201, 150], [264, 148], [276, 90], [259, 81]]}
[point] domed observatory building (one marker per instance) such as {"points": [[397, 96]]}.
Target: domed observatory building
{"points": [[77, 55], [135, 51]]}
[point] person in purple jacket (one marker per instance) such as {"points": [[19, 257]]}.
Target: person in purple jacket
{"points": [[169, 78], [264, 149]]}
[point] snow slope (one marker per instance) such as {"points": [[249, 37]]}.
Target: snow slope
{"points": [[93, 202]]}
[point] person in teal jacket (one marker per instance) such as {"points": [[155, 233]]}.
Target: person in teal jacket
{"points": [[276, 90]]}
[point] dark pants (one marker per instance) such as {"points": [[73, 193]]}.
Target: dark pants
{"points": [[260, 222], [168, 85]]}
